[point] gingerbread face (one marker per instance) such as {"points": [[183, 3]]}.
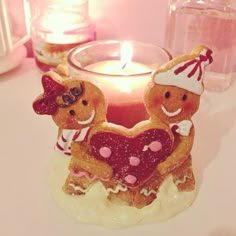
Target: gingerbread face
{"points": [[174, 95], [171, 104], [73, 103], [80, 105]]}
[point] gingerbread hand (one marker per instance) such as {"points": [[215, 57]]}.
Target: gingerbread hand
{"points": [[81, 158]]}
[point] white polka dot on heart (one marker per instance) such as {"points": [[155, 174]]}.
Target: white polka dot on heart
{"points": [[131, 179], [105, 152], [134, 161], [155, 146]]}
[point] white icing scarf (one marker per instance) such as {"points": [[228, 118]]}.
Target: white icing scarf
{"points": [[68, 136], [183, 127]]}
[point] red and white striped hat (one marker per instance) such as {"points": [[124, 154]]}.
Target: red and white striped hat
{"points": [[186, 71]]}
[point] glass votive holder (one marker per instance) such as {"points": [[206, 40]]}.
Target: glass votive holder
{"points": [[122, 70], [56, 28]]}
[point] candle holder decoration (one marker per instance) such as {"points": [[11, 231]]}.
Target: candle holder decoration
{"points": [[120, 176], [121, 69], [57, 27]]}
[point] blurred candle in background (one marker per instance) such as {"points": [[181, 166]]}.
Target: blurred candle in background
{"points": [[57, 27]]}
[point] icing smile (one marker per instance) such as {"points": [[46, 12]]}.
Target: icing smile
{"points": [[89, 120], [170, 114]]}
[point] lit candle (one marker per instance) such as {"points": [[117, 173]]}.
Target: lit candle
{"points": [[124, 94], [121, 70]]}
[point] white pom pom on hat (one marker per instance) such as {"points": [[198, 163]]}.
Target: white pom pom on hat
{"points": [[186, 71]]}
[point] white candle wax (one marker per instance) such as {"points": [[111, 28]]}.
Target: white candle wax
{"points": [[116, 67], [121, 87]]}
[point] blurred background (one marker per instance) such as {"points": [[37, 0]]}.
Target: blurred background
{"points": [[53, 27], [142, 20]]}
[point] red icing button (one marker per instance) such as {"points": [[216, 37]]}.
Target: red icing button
{"points": [[105, 152], [155, 146], [174, 128], [134, 161]]}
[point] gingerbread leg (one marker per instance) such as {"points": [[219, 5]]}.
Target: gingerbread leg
{"points": [[138, 197], [183, 176], [132, 197], [147, 193], [78, 184], [117, 192]]}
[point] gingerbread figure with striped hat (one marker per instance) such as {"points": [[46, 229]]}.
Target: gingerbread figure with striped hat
{"points": [[75, 106], [173, 98]]}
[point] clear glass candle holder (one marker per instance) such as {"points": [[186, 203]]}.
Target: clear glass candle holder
{"points": [[122, 70], [57, 27]]}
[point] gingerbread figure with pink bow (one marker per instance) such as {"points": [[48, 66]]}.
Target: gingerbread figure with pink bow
{"points": [[75, 106]]}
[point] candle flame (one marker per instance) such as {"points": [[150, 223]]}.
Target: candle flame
{"points": [[126, 54]]}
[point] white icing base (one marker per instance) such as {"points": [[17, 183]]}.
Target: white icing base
{"points": [[94, 208]]}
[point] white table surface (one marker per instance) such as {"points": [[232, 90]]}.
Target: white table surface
{"points": [[27, 207]]}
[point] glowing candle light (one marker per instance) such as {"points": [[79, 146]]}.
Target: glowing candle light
{"points": [[60, 26]]}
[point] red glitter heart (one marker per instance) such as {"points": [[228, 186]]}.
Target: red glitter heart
{"points": [[133, 160]]}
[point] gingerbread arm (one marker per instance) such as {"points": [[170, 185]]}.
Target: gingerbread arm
{"points": [[182, 149], [82, 158]]}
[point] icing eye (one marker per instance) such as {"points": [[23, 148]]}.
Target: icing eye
{"points": [[167, 94], [76, 91], [184, 97], [66, 99], [85, 102], [72, 112]]}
